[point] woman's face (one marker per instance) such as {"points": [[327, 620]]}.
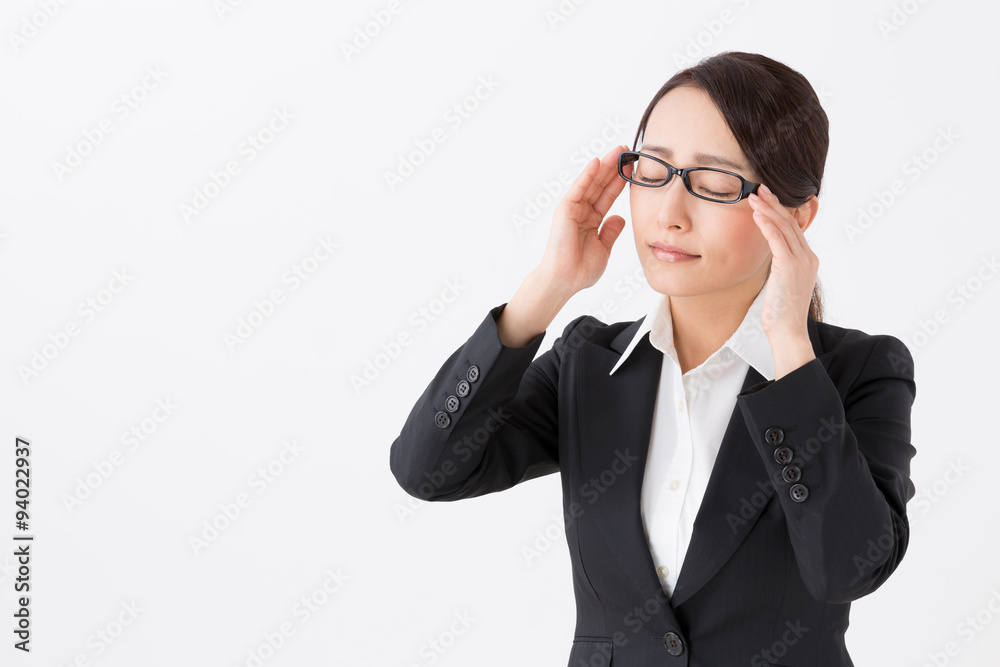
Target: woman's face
{"points": [[727, 241]]}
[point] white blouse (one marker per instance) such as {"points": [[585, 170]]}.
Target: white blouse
{"points": [[690, 417]]}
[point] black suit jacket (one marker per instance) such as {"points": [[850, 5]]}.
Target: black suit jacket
{"points": [[779, 547]]}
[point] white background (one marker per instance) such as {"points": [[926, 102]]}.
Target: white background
{"points": [[407, 568]]}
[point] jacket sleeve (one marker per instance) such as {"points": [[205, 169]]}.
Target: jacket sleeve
{"points": [[487, 421], [850, 531]]}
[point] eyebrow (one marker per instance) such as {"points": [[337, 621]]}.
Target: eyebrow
{"points": [[700, 158]]}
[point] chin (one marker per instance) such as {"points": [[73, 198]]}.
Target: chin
{"points": [[673, 285]]}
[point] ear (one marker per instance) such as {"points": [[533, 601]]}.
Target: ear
{"points": [[805, 213]]}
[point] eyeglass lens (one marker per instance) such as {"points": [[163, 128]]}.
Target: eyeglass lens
{"points": [[711, 184]]}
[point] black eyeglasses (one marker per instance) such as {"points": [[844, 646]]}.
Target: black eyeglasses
{"points": [[718, 185]]}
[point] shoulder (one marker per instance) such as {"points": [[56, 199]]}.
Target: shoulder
{"points": [[856, 354], [590, 329]]}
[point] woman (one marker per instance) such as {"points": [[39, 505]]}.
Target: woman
{"points": [[734, 470]]}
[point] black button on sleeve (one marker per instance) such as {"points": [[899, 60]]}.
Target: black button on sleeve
{"points": [[798, 492], [774, 435], [462, 389], [451, 403], [783, 455], [473, 373], [791, 474], [442, 419]]}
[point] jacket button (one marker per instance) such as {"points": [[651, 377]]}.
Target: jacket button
{"points": [[783, 455], [473, 373], [462, 389], [791, 474], [798, 493], [673, 643], [451, 403], [774, 435], [442, 419]]}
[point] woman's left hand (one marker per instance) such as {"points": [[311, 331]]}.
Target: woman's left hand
{"points": [[793, 270]]}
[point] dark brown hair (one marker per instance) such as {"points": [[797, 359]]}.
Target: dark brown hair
{"points": [[776, 117]]}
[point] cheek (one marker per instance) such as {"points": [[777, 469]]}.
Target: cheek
{"points": [[639, 215], [737, 235]]}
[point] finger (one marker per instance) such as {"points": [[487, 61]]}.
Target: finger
{"points": [[774, 236], [610, 231], [781, 216], [612, 189], [778, 218], [607, 171], [579, 188]]}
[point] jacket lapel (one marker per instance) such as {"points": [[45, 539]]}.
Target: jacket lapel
{"points": [[738, 474], [737, 494], [616, 417]]}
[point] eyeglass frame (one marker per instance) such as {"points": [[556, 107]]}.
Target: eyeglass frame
{"points": [[747, 187]]}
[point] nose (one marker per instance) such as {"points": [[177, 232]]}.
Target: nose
{"points": [[674, 202]]}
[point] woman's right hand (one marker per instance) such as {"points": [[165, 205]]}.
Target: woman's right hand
{"points": [[578, 247]]}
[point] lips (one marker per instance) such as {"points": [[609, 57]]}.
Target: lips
{"points": [[666, 247]]}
